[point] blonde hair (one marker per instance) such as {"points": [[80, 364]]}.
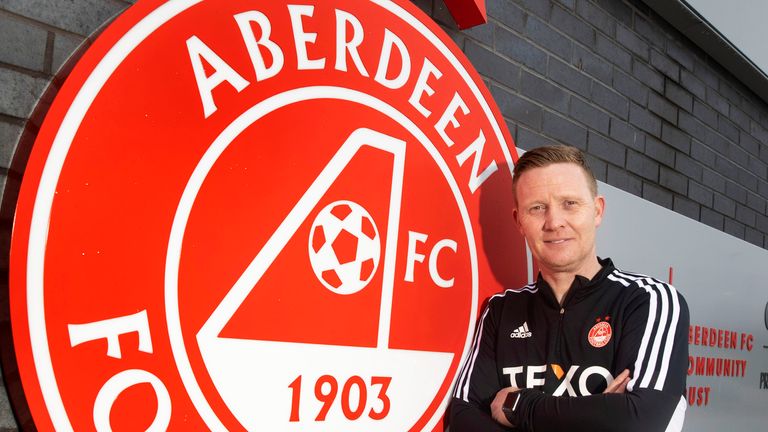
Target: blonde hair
{"points": [[541, 157]]}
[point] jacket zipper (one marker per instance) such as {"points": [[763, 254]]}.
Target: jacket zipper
{"points": [[559, 333]]}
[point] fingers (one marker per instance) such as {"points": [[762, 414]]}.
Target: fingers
{"points": [[619, 385], [623, 376], [498, 402], [623, 386]]}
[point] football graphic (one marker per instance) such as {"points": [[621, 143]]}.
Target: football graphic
{"points": [[344, 247]]}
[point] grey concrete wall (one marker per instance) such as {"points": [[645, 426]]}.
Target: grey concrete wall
{"points": [[656, 115]]}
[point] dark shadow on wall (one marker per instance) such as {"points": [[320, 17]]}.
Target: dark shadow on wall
{"points": [[503, 245], [10, 197], [7, 212]]}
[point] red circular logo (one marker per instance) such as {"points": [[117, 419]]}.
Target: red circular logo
{"points": [[600, 334], [260, 216]]}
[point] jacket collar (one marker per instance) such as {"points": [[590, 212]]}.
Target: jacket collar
{"points": [[581, 287]]}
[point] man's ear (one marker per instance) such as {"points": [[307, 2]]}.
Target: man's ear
{"points": [[516, 217], [599, 209]]}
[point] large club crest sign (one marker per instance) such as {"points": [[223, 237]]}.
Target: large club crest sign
{"points": [[257, 215]]}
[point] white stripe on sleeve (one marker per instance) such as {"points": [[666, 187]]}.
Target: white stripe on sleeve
{"points": [[662, 325], [655, 330], [462, 391], [462, 385], [649, 324], [644, 342], [670, 339]]}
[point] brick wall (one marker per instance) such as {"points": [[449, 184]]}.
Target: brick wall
{"points": [[656, 115]]}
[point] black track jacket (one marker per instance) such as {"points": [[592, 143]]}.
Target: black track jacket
{"points": [[564, 357]]}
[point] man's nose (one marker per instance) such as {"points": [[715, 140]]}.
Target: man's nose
{"points": [[554, 218]]}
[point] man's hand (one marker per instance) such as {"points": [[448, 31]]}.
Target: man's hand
{"points": [[619, 385], [498, 402]]}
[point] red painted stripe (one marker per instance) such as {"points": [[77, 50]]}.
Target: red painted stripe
{"points": [[467, 13]]}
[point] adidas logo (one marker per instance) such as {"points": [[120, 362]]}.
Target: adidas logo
{"points": [[521, 332]]}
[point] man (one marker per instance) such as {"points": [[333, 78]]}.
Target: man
{"points": [[587, 347]]}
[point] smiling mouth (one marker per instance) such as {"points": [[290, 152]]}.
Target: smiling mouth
{"points": [[556, 241]]}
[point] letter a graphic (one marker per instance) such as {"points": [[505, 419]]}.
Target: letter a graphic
{"points": [[334, 255]]}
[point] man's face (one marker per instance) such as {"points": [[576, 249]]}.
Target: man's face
{"points": [[559, 216]]}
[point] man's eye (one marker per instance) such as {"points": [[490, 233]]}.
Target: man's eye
{"points": [[571, 203], [537, 209]]}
